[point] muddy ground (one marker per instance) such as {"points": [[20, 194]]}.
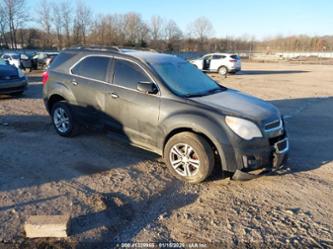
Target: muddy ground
{"points": [[117, 193]]}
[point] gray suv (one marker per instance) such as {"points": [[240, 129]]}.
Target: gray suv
{"points": [[164, 104]]}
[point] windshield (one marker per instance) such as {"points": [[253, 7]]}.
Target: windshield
{"points": [[15, 56], [186, 80]]}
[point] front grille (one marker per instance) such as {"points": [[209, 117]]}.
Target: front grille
{"points": [[273, 125]]}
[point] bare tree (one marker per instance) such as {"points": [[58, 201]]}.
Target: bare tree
{"points": [[156, 27], [57, 23], [67, 20], [201, 29], [82, 22], [3, 26], [173, 34], [16, 14], [134, 28], [172, 31], [45, 20]]}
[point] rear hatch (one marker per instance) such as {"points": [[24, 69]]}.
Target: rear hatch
{"points": [[235, 59]]}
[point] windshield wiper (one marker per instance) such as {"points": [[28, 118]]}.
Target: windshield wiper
{"points": [[209, 92]]}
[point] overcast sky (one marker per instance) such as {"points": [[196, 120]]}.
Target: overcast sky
{"points": [[231, 18]]}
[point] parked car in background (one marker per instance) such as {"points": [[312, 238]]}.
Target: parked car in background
{"points": [[221, 63], [163, 104], [26, 62], [42, 60], [12, 79], [19, 60], [12, 58]]}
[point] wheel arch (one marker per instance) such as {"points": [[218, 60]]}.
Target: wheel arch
{"points": [[54, 98], [218, 69], [59, 92], [213, 142]]}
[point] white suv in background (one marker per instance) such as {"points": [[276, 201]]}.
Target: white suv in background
{"points": [[219, 63]]}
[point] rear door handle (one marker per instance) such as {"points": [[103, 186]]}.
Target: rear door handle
{"points": [[114, 96], [74, 82]]}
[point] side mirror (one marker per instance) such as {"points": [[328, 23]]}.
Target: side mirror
{"points": [[147, 87]]}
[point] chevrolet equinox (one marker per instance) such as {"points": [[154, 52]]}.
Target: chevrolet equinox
{"points": [[164, 104]]}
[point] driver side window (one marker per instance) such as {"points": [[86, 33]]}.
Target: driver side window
{"points": [[128, 74]]}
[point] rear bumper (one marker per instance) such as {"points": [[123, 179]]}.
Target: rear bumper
{"points": [[235, 70], [13, 86]]}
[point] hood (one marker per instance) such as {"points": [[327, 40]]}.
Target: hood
{"points": [[232, 102], [7, 70]]}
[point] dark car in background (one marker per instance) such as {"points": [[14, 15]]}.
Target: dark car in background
{"points": [[163, 104], [42, 60], [12, 79]]}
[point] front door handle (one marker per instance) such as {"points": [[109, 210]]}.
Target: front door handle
{"points": [[114, 96], [74, 82]]}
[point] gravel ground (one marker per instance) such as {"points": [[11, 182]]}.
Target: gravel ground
{"points": [[117, 193]]}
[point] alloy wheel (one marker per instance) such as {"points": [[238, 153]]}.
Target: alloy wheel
{"points": [[61, 120], [184, 160]]}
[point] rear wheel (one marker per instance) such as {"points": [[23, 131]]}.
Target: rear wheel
{"points": [[223, 71], [189, 157], [63, 120]]}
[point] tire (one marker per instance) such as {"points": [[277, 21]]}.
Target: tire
{"points": [[197, 166], [63, 120], [223, 71]]}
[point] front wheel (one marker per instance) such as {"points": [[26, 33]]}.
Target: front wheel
{"points": [[189, 157], [63, 120]]}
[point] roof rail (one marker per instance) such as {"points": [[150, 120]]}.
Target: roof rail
{"points": [[111, 48], [101, 48]]}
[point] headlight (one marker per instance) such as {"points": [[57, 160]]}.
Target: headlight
{"points": [[243, 128], [20, 73]]}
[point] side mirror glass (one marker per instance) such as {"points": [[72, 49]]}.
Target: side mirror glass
{"points": [[147, 87]]}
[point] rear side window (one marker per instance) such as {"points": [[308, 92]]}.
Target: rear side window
{"points": [[218, 57], [60, 59], [235, 57], [128, 74], [93, 67]]}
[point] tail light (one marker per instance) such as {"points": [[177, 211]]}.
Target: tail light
{"points": [[45, 77], [233, 60]]}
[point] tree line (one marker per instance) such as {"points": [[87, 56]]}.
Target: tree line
{"points": [[66, 23]]}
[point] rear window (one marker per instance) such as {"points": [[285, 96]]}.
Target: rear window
{"points": [[235, 57], [60, 59], [93, 67]]}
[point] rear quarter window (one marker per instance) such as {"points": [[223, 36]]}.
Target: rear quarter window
{"points": [[235, 57], [60, 59], [218, 57]]}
